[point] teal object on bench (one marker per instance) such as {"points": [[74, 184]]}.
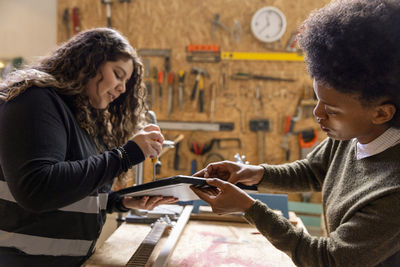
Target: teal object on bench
{"points": [[309, 213], [273, 201]]}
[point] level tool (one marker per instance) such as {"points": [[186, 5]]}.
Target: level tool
{"points": [[261, 56]]}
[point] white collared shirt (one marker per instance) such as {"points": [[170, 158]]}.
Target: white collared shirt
{"points": [[389, 138]]}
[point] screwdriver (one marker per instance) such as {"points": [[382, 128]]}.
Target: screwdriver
{"points": [[181, 80], [170, 92], [160, 82], [154, 74]]}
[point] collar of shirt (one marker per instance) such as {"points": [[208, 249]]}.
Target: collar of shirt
{"points": [[389, 138]]}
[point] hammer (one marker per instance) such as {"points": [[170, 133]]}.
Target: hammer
{"points": [[200, 74]]}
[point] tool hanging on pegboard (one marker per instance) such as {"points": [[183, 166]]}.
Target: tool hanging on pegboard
{"points": [[196, 126], [213, 89], [181, 87], [160, 81], [222, 143], [66, 33], [166, 54], [201, 95], [261, 56], [76, 20], [249, 76], [290, 121], [170, 93], [199, 81], [291, 46], [215, 24], [203, 53], [308, 139], [108, 10], [154, 83], [260, 126]]}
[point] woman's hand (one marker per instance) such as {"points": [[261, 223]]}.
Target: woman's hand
{"points": [[147, 202], [150, 140], [233, 172], [224, 197]]}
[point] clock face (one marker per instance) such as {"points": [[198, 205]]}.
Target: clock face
{"points": [[268, 24]]}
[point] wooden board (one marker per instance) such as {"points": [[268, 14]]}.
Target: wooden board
{"points": [[165, 24], [120, 246], [202, 243], [225, 244]]}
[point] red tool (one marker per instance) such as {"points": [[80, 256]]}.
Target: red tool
{"points": [[307, 140], [76, 20], [198, 149], [202, 48], [222, 143]]}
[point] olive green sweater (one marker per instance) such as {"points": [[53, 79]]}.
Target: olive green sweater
{"points": [[361, 206]]}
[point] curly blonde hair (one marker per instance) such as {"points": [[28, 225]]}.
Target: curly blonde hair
{"points": [[68, 70]]}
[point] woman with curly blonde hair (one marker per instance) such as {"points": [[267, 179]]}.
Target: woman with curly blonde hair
{"points": [[68, 126]]}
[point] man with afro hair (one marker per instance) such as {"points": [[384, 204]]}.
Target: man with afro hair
{"points": [[352, 50]]}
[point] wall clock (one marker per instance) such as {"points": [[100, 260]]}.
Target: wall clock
{"points": [[268, 24]]}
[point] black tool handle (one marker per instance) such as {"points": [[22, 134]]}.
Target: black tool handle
{"points": [[287, 154], [194, 90], [201, 100], [176, 157]]}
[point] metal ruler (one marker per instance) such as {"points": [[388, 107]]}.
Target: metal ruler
{"points": [[196, 126], [261, 56], [173, 237], [143, 252]]}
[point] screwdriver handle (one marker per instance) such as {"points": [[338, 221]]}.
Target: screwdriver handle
{"points": [[160, 77], [170, 78], [194, 90]]}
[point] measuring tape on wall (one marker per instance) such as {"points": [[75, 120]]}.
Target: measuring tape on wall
{"points": [[261, 56]]}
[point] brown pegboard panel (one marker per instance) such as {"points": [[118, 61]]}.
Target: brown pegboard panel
{"points": [[165, 24]]}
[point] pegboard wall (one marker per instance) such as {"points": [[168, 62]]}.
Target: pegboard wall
{"points": [[175, 24]]}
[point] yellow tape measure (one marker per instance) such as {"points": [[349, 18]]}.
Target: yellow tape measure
{"points": [[261, 56]]}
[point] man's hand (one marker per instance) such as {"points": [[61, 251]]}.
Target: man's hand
{"points": [[233, 172], [150, 140], [225, 197], [147, 202]]}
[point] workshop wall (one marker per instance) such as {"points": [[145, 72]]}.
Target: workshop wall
{"points": [[173, 25], [30, 37]]}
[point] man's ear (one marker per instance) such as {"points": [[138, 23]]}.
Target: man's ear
{"points": [[384, 113]]}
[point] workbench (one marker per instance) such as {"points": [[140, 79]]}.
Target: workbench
{"points": [[202, 243]]}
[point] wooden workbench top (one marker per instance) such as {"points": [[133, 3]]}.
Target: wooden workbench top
{"points": [[202, 243]]}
